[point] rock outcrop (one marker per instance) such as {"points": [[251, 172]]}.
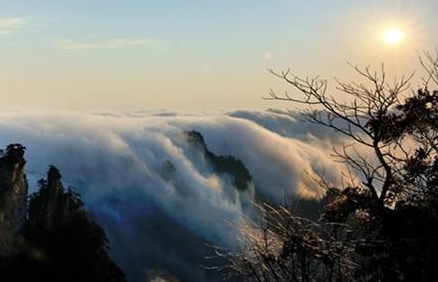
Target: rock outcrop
{"points": [[51, 204], [13, 197], [221, 164]]}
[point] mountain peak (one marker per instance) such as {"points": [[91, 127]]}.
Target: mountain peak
{"points": [[13, 196], [228, 164], [195, 138]]}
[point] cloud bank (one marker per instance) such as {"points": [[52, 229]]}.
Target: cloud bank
{"points": [[158, 219]]}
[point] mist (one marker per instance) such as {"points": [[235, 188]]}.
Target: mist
{"points": [[159, 222]]}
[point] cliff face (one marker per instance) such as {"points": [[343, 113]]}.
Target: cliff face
{"points": [[13, 197]]}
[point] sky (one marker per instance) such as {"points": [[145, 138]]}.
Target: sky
{"points": [[194, 54]]}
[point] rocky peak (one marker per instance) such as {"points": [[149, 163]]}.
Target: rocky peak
{"points": [[195, 138], [54, 184], [54, 178], [48, 206], [55, 192], [11, 166], [229, 165], [13, 195]]}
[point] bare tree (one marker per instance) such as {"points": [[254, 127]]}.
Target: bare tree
{"points": [[360, 118], [375, 226], [289, 248]]}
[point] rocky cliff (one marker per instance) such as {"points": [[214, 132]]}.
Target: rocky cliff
{"points": [[13, 197]]}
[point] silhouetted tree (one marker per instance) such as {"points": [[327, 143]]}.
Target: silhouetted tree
{"points": [[386, 210]]}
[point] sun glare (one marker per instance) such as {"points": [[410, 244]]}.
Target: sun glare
{"points": [[393, 36]]}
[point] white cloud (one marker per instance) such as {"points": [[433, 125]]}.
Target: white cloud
{"points": [[105, 144], [8, 25], [120, 164], [68, 44]]}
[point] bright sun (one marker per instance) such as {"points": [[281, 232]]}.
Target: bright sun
{"points": [[393, 36]]}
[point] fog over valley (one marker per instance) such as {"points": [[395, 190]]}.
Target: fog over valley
{"points": [[160, 193]]}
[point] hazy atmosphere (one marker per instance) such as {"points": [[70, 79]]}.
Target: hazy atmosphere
{"points": [[221, 140], [132, 55]]}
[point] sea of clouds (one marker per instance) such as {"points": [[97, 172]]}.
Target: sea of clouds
{"points": [[158, 224]]}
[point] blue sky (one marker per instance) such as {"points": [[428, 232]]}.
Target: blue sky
{"points": [[203, 54]]}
